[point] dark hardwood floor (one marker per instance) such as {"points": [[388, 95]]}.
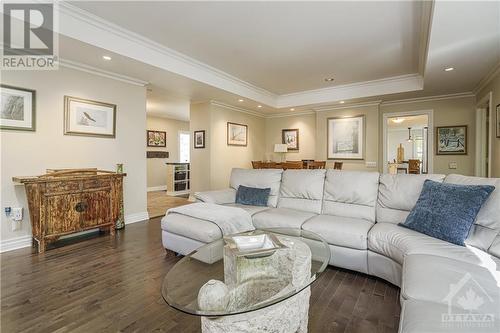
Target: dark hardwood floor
{"points": [[108, 284]]}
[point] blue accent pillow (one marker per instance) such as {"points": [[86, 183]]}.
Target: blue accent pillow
{"points": [[252, 196], [447, 211]]}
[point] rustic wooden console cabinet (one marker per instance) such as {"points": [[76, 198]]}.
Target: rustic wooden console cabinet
{"points": [[62, 202]]}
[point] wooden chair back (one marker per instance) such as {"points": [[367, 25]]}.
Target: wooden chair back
{"points": [[414, 166], [257, 164], [338, 165], [316, 165], [268, 165], [292, 165]]}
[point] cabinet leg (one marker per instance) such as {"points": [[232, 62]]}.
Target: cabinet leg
{"points": [[112, 230], [41, 246]]}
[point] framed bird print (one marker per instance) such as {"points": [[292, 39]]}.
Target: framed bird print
{"points": [[89, 118]]}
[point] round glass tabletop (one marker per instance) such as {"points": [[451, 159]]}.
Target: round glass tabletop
{"points": [[222, 278]]}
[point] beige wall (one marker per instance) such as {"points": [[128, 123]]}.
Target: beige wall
{"points": [[156, 167], [447, 112], [307, 136], [211, 167], [30, 153], [494, 88], [371, 135]]}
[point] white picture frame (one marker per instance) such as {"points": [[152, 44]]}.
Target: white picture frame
{"points": [[18, 107], [345, 138]]}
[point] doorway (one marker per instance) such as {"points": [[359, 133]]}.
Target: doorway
{"points": [[407, 142], [484, 126]]}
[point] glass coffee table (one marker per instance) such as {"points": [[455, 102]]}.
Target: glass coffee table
{"points": [[245, 291]]}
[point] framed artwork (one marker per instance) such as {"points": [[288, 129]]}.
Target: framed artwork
{"points": [[345, 138], [498, 120], [89, 118], [199, 139], [237, 134], [290, 137], [18, 108], [156, 138], [451, 140]]}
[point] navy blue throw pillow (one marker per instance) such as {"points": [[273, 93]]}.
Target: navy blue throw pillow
{"points": [[252, 196], [447, 211]]}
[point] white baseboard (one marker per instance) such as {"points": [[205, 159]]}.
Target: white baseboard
{"points": [[15, 243], [25, 241], [136, 217], [157, 188]]}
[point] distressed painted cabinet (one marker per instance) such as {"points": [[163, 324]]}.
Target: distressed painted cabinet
{"points": [[62, 202]]}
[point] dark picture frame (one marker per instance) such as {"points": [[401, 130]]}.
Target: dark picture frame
{"points": [[450, 139], [287, 136], [237, 134], [199, 139], [72, 125], [156, 138], [28, 95]]}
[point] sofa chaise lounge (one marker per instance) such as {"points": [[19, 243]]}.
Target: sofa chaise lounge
{"points": [[357, 213]]}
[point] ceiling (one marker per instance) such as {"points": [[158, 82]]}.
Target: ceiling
{"points": [[278, 54], [408, 121]]}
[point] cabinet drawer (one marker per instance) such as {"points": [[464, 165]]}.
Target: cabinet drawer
{"points": [[96, 183], [62, 187]]}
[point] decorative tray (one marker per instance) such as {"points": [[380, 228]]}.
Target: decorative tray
{"points": [[253, 244]]}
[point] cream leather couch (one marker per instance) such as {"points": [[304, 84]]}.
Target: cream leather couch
{"points": [[444, 287]]}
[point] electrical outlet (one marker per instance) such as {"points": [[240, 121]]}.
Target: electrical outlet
{"points": [[17, 214], [452, 165]]}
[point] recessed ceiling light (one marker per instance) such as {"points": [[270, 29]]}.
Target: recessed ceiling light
{"points": [[398, 120], [240, 100], [259, 106], [106, 57], [342, 102], [449, 69], [329, 79], [292, 109]]}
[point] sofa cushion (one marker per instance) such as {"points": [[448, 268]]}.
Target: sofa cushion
{"points": [[261, 178], [447, 211], [397, 194], [302, 190], [487, 224], [340, 231], [430, 278], [429, 317], [281, 218], [396, 242], [190, 227], [220, 197], [351, 194], [252, 210]]}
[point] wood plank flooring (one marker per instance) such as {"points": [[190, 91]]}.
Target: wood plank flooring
{"points": [[106, 284], [159, 202]]}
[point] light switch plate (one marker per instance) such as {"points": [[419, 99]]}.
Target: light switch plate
{"points": [[371, 164], [452, 165]]}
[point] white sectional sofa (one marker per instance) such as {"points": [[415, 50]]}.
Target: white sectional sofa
{"points": [[357, 214]]}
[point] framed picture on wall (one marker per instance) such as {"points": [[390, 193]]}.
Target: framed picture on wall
{"points": [[290, 137], [199, 139], [345, 138], [498, 120], [18, 108], [156, 138], [451, 140], [237, 134], [89, 118]]}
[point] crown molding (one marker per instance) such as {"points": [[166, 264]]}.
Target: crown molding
{"points": [[348, 106], [430, 98], [289, 114], [391, 85], [487, 79], [91, 29], [101, 72], [238, 109]]}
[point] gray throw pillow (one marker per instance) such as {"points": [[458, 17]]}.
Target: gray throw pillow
{"points": [[252, 196]]}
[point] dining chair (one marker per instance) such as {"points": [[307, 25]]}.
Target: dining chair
{"points": [[316, 165], [414, 166], [292, 165], [257, 164], [338, 165], [269, 165]]}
